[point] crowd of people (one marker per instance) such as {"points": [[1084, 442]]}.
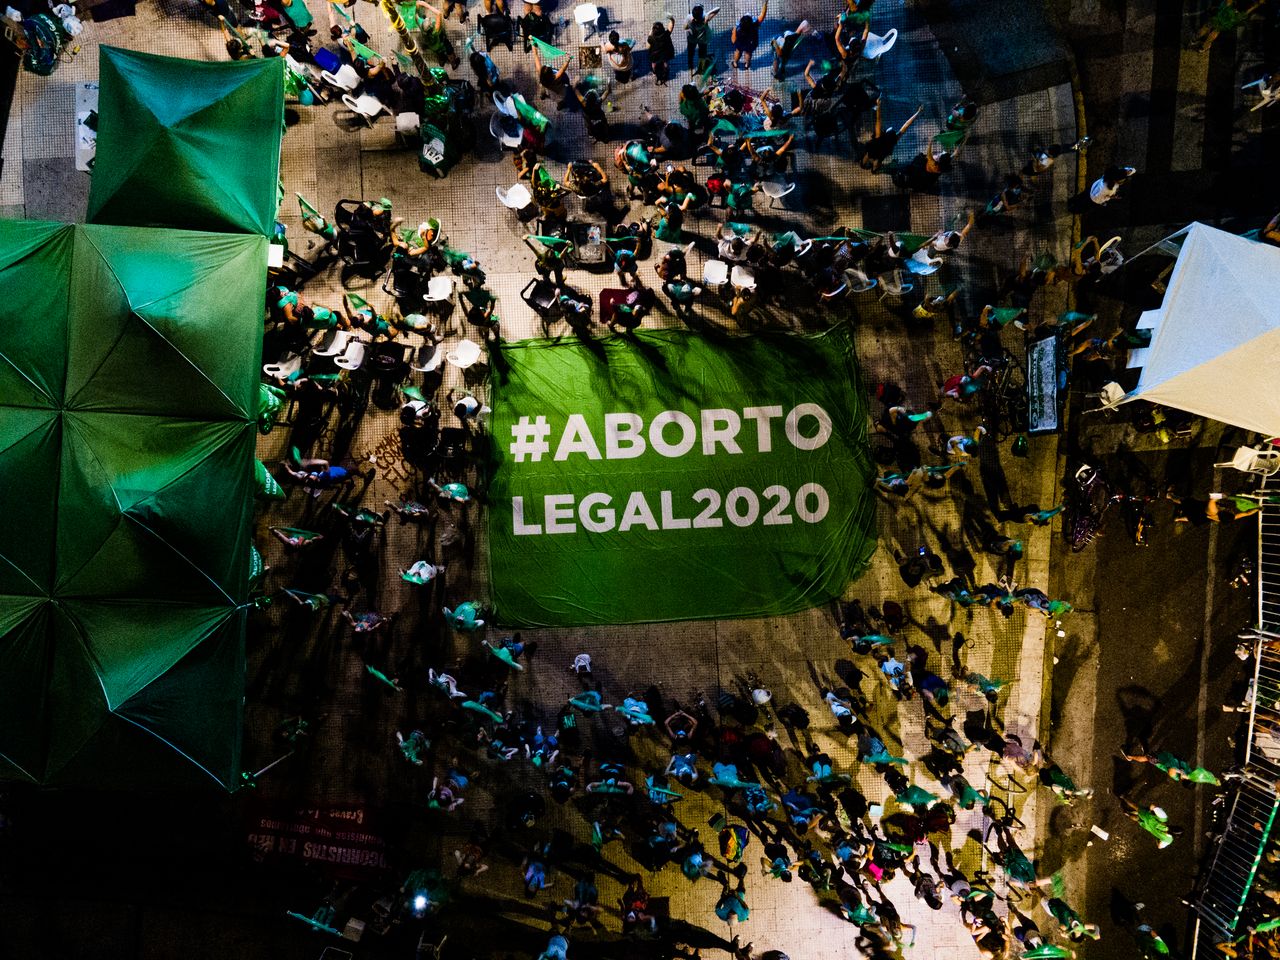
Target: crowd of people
{"points": [[625, 763]]}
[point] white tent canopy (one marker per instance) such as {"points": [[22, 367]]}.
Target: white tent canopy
{"points": [[1215, 346]]}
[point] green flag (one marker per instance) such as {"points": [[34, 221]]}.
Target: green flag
{"points": [[546, 49], [358, 302], [364, 53], [406, 62], [736, 482], [308, 211], [529, 115]]}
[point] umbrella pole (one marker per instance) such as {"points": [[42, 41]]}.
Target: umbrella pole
{"points": [[406, 39], [272, 764]]}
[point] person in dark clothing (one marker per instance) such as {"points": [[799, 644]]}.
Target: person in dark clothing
{"points": [[662, 50]]}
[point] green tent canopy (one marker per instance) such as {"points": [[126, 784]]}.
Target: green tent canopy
{"points": [[184, 143], [128, 411]]}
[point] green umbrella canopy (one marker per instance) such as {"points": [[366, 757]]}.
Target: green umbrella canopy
{"points": [[185, 143], [128, 403]]}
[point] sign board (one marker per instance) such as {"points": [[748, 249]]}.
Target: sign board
{"points": [[666, 476], [341, 841], [1044, 401]]}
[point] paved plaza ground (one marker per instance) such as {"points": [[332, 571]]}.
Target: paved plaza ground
{"points": [[313, 667]]}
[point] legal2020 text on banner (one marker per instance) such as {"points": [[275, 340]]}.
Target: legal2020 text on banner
{"points": [[666, 477]]}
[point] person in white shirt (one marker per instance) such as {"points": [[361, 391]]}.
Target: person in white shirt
{"points": [[1107, 186]]}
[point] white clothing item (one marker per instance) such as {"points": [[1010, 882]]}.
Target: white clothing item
{"points": [[466, 407], [1101, 193]]}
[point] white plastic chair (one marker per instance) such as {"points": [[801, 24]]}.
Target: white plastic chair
{"points": [[587, 16], [353, 357], [1248, 460], [516, 197], [408, 125], [715, 274], [439, 290], [334, 344], [505, 130], [858, 281], [776, 191], [366, 106], [466, 354], [892, 285], [431, 356], [285, 369], [877, 47], [742, 278], [506, 105], [346, 78]]}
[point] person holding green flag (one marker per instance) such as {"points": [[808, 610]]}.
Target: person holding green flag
{"points": [[434, 39], [1152, 819], [392, 682], [1174, 768], [311, 602], [1073, 927]]}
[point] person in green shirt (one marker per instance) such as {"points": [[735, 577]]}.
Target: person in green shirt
{"points": [[322, 318], [741, 194], [465, 616], [694, 107], [671, 218], [1072, 925], [1225, 19], [683, 296], [434, 39], [367, 319], [413, 746], [1150, 943], [1152, 819], [1174, 768]]}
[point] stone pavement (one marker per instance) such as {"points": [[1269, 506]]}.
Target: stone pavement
{"points": [[329, 155]]}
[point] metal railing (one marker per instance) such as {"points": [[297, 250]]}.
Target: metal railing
{"points": [[1239, 850], [1226, 884], [1269, 559]]}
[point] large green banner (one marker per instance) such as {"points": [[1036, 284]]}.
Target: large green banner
{"points": [[668, 476]]}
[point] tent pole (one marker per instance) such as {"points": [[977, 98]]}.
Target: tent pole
{"points": [[406, 39], [1178, 233]]}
